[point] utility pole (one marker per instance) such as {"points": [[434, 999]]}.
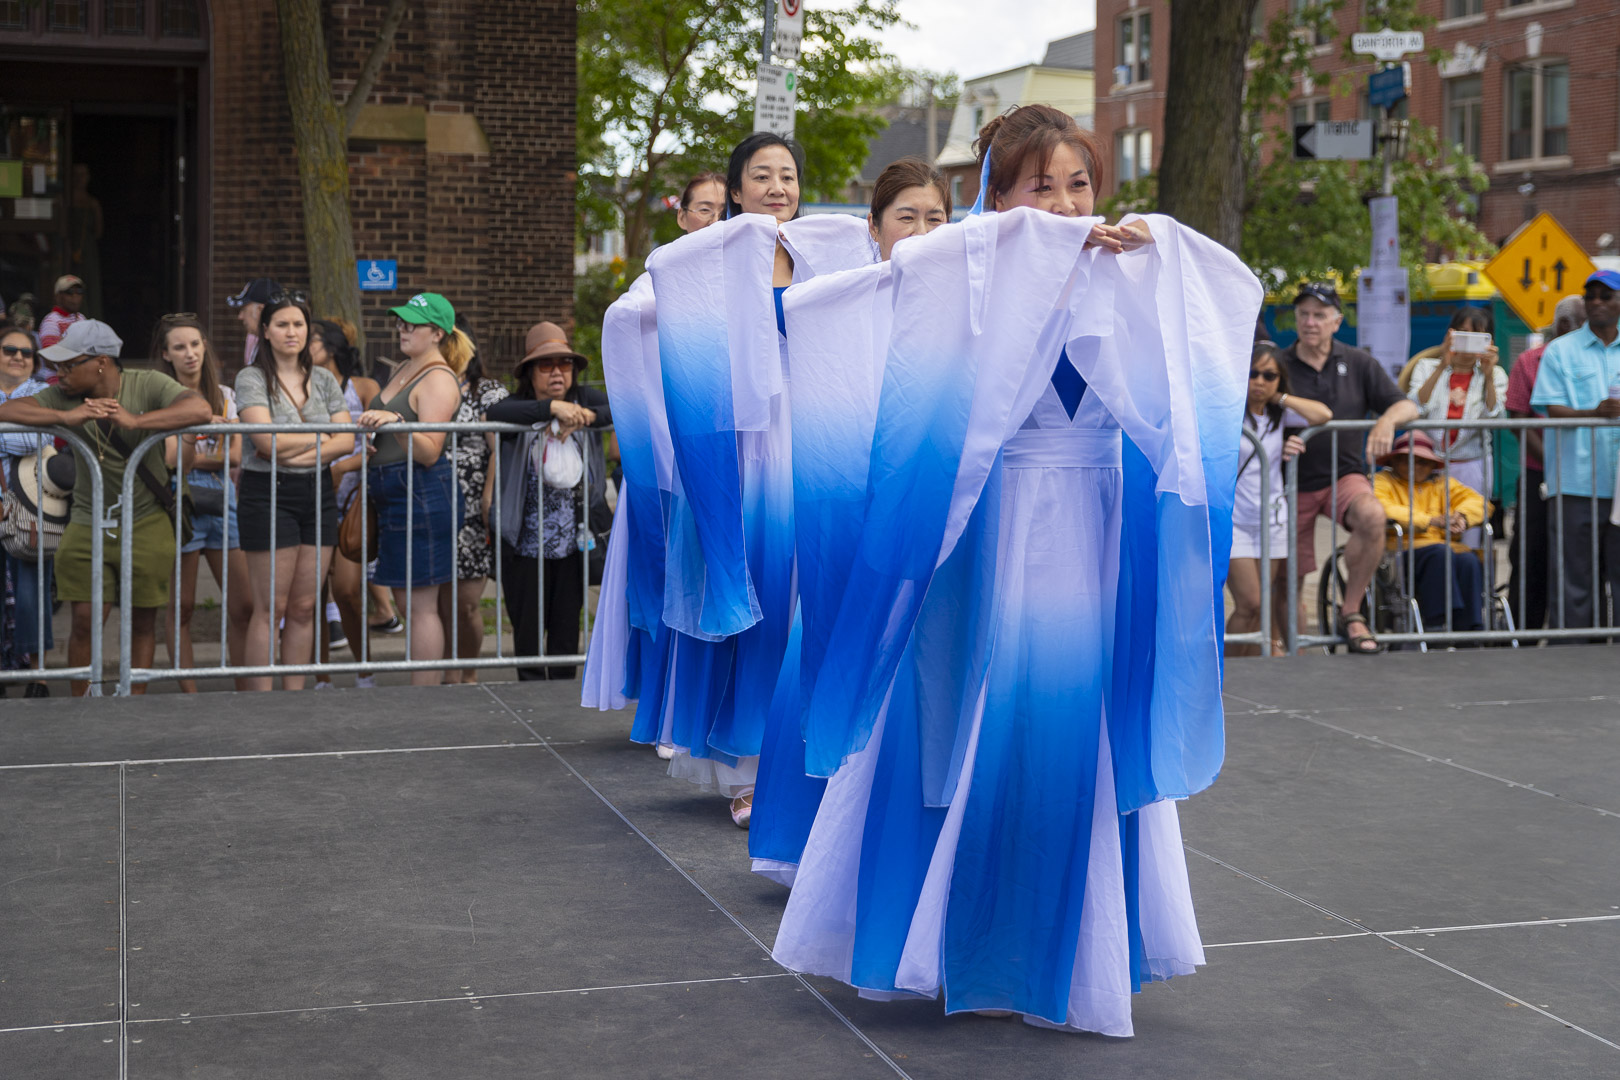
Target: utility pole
{"points": [[770, 32], [933, 126]]}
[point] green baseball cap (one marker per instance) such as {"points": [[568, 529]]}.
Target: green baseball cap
{"points": [[428, 309]]}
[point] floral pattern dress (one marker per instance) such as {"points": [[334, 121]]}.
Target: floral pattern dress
{"points": [[474, 556]]}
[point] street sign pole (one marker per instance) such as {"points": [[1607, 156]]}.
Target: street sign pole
{"points": [[770, 32]]}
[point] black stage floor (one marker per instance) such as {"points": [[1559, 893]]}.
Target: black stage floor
{"points": [[1411, 867]]}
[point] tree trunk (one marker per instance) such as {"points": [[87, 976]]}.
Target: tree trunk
{"points": [[319, 134], [1201, 170]]}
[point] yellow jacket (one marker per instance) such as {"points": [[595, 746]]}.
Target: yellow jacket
{"points": [[1402, 503]]}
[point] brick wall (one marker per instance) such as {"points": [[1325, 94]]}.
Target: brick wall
{"points": [[493, 231], [1583, 193]]}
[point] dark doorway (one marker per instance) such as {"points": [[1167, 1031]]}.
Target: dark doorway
{"points": [[124, 173]]}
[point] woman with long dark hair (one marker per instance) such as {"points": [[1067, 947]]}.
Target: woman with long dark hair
{"points": [[1269, 405], [20, 596], [183, 350], [297, 536], [331, 348]]}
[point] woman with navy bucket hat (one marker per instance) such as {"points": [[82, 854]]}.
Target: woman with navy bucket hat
{"points": [[412, 478]]}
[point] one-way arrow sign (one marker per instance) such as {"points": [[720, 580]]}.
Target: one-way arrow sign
{"points": [[1343, 140]]}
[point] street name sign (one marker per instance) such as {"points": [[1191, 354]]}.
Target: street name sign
{"points": [[1334, 140], [1539, 266], [775, 102], [1387, 87], [789, 29], [1387, 44]]}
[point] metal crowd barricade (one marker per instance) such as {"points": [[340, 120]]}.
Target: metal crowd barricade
{"points": [[128, 674], [1554, 430], [86, 470]]}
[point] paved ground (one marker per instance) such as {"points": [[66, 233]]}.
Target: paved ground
{"points": [[485, 882]]}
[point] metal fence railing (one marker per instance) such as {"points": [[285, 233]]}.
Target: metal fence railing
{"points": [[1497, 612], [85, 471], [129, 674]]}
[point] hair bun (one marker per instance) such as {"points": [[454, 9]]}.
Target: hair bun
{"points": [[987, 135]]}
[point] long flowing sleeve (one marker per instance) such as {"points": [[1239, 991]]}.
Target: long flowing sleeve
{"points": [[977, 326], [720, 364]]}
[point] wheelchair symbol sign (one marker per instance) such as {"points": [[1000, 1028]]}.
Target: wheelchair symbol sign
{"points": [[377, 275]]}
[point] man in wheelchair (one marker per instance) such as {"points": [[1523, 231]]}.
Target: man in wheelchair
{"points": [[1416, 497]]}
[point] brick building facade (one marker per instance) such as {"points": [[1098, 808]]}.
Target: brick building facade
{"points": [[461, 164], [1532, 90]]}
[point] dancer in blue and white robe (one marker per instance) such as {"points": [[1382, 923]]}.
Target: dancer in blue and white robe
{"points": [[1025, 668]]}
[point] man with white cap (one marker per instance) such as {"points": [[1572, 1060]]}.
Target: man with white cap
{"points": [[112, 410], [69, 299]]}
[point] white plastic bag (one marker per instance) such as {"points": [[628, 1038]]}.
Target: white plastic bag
{"points": [[561, 464]]}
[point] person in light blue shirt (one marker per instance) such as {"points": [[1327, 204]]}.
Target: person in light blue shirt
{"points": [[1580, 377]]}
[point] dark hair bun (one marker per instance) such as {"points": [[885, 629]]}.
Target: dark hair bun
{"points": [[987, 135]]}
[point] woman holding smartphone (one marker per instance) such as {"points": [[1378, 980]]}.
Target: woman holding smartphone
{"points": [[1464, 382]]}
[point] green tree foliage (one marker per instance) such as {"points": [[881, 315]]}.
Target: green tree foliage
{"points": [[666, 90], [1308, 219]]}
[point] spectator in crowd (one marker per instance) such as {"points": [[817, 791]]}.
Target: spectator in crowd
{"points": [[1353, 385], [703, 201], [475, 558], [249, 305], [112, 410], [332, 351], [21, 600], [1579, 377], [298, 532], [69, 299], [910, 199], [1459, 385], [20, 315], [543, 495], [411, 475], [1431, 511], [1271, 408], [183, 352], [1530, 527]]}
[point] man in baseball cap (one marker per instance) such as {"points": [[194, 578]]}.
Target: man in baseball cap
{"points": [[112, 410], [249, 305], [69, 299]]}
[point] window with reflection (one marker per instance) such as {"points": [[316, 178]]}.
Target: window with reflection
{"points": [[67, 14], [125, 17], [181, 18]]}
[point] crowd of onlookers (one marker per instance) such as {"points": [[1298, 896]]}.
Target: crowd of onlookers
{"points": [[305, 565], [1423, 499]]}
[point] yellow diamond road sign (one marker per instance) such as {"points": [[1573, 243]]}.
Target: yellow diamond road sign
{"points": [[1538, 267]]}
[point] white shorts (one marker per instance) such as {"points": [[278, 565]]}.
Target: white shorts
{"points": [[1246, 541]]}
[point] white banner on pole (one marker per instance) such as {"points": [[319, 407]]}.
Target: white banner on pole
{"points": [[1386, 235], [774, 103], [789, 29], [1384, 317]]}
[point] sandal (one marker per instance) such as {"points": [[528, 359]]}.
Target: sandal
{"points": [[1364, 645]]}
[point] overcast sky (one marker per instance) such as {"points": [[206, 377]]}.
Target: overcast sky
{"points": [[977, 37]]}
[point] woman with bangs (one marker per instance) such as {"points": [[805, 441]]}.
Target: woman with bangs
{"points": [[1024, 666]]}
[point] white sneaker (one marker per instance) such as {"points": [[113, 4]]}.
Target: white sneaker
{"points": [[665, 751], [365, 682], [323, 686]]}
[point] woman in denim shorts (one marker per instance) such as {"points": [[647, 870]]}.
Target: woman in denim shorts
{"points": [[183, 351], [412, 479]]}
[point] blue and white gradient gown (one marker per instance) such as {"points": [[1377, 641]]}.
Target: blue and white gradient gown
{"points": [[1025, 668], [694, 347]]}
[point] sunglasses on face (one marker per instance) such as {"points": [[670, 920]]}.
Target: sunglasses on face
{"points": [[17, 350], [554, 364], [64, 367], [1269, 376], [77, 290]]}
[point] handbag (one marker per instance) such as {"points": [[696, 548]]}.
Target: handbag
{"points": [[207, 501], [24, 528], [361, 515]]}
